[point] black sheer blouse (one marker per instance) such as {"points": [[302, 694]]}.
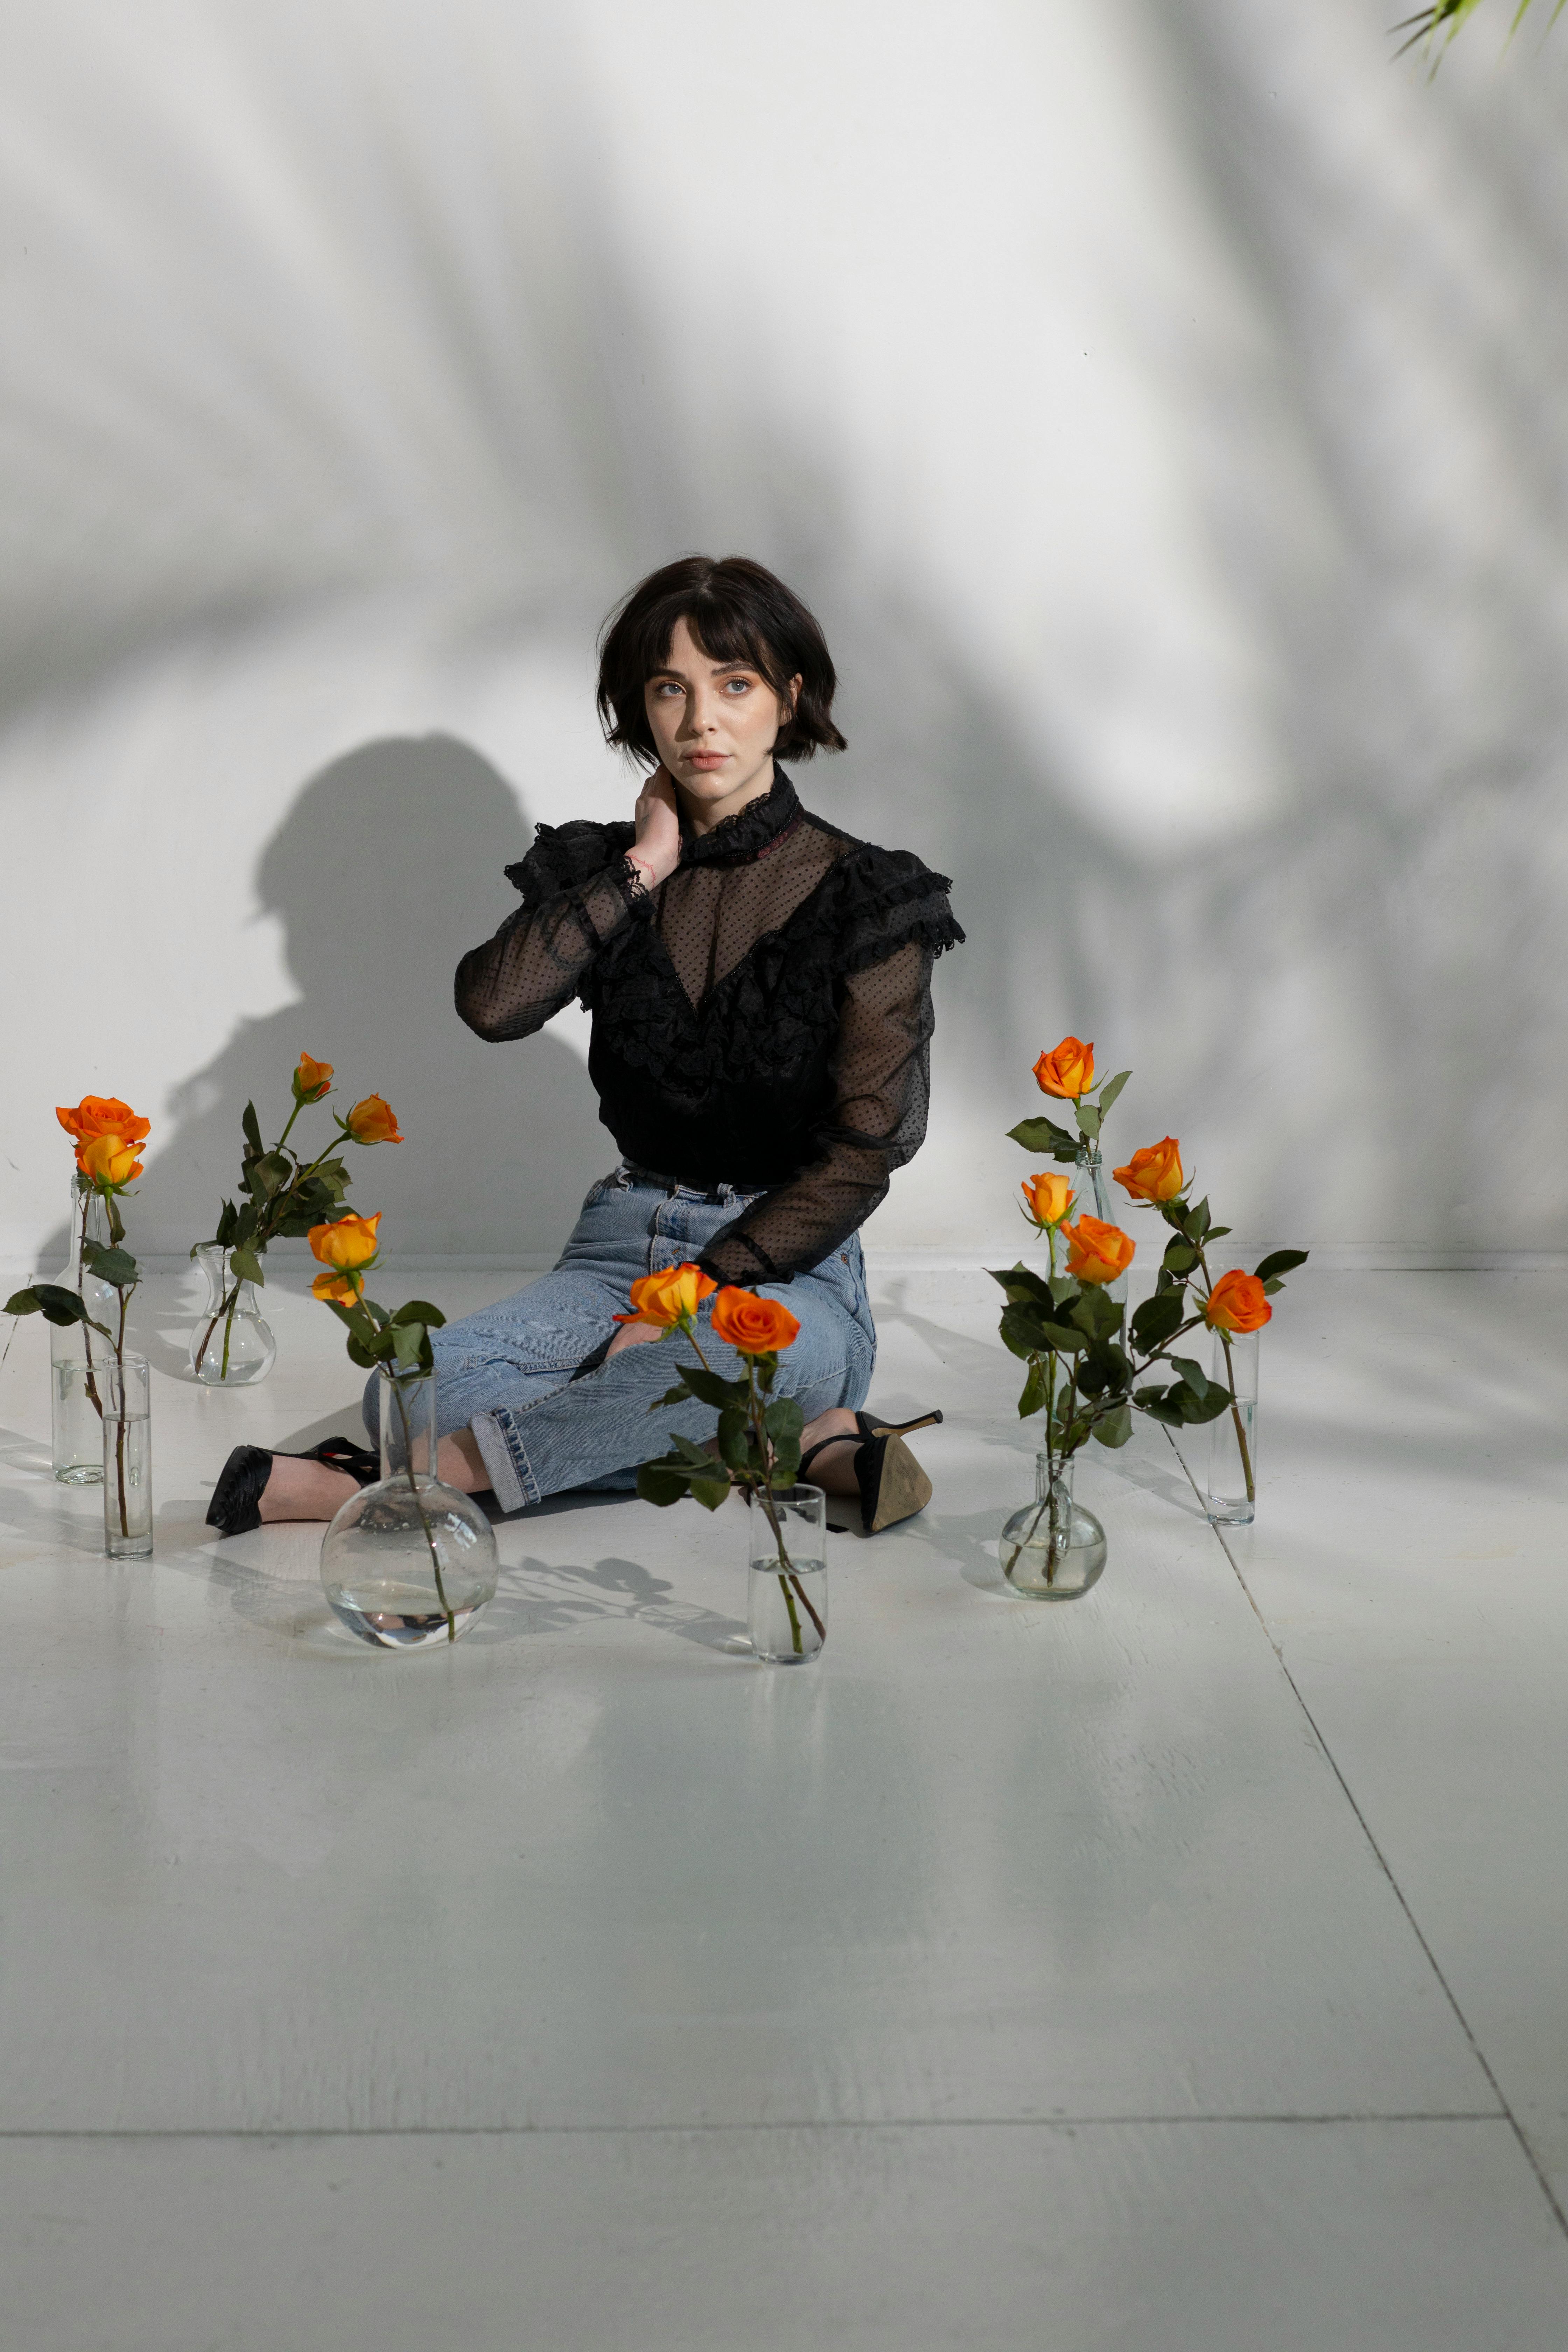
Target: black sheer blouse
{"points": [[761, 1019]]}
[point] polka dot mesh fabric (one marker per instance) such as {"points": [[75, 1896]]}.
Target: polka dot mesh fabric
{"points": [[761, 1019]]}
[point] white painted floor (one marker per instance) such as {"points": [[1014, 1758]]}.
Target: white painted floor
{"points": [[1181, 1970]]}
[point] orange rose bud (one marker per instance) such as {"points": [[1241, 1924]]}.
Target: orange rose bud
{"points": [[1238, 1303], [756, 1326], [1098, 1253], [1154, 1173], [371, 1121], [347, 1243], [342, 1288], [1047, 1198], [1067, 1071], [104, 1115], [670, 1297], [109, 1160], [312, 1079]]}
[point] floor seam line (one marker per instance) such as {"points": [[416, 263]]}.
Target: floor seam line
{"points": [[1398, 1891], [884, 2122]]}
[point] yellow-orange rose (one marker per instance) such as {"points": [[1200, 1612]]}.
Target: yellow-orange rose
{"points": [[348, 1243], [1068, 1070], [344, 1287], [312, 1079], [104, 1115], [669, 1297], [371, 1121], [756, 1326], [1154, 1173], [1047, 1198], [109, 1160], [1095, 1252], [1238, 1303]]}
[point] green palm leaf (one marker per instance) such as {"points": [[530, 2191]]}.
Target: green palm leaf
{"points": [[1448, 16]]}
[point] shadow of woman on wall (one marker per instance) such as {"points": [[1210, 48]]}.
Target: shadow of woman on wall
{"points": [[385, 869]]}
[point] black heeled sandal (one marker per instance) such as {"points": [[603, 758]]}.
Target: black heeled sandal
{"points": [[235, 1506], [892, 1485]]}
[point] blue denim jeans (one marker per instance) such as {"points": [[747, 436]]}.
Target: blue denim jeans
{"points": [[514, 1372]]}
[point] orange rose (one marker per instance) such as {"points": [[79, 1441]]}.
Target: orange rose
{"points": [[1067, 1071], [371, 1121], [104, 1115], [1047, 1198], [756, 1326], [1154, 1173], [344, 1288], [1098, 1253], [1236, 1303], [347, 1243], [668, 1298], [312, 1079], [109, 1160]]}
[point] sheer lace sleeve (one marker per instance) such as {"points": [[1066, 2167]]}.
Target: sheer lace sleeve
{"points": [[882, 1075], [578, 893]]}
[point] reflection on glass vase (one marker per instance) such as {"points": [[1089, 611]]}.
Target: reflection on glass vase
{"points": [[786, 1596], [232, 1346], [1053, 1549], [1231, 1500], [127, 1457], [409, 1563], [76, 1354], [1092, 1196]]}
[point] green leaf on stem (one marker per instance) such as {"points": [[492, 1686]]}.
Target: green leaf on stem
{"points": [[116, 1267], [659, 1484], [1096, 1313], [360, 1354], [1111, 1088], [690, 1452], [1035, 1389], [1115, 1427], [1156, 1319], [419, 1310], [732, 1438], [1198, 1409], [1180, 1257], [1087, 1121], [1279, 1262], [710, 1492], [1021, 1282], [1045, 1135], [52, 1301], [409, 1344], [1198, 1222], [1196, 1378], [709, 1389], [680, 1394], [252, 1127], [246, 1266], [270, 1173]]}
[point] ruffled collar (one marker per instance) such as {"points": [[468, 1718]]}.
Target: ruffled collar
{"points": [[748, 833]]}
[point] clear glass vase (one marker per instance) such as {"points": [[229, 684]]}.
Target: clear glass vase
{"points": [[1053, 1549], [127, 1458], [76, 1393], [1091, 1193], [1231, 1499], [409, 1563], [232, 1346], [786, 1584]]}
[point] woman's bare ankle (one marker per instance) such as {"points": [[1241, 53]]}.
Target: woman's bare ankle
{"points": [[304, 1490]]}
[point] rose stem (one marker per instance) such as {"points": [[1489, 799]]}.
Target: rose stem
{"points": [[413, 1490], [119, 1432], [94, 1398], [1230, 1382]]}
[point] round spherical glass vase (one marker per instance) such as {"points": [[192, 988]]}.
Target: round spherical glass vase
{"points": [[408, 1563], [232, 1346], [1053, 1549]]}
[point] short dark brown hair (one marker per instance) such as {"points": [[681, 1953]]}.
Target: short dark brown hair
{"points": [[738, 611]]}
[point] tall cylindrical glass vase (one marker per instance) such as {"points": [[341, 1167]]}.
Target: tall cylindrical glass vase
{"points": [[76, 1393], [127, 1458], [1231, 1496], [1092, 1196], [786, 1551]]}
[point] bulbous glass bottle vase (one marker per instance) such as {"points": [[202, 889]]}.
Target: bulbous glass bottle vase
{"points": [[409, 1563], [1053, 1549], [77, 1356], [232, 1346]]}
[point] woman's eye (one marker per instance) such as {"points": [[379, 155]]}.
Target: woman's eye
{"points": [[666, 685], [738, 685]]}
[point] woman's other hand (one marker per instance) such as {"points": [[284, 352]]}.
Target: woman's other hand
{"points": [[657, 846], [632, 1335]]}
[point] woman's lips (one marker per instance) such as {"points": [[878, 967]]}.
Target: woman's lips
{"points": [[706, 758]]}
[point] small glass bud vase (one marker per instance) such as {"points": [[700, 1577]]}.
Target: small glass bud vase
{"points": [[1231, 1500], [786, 1584], [232, 1347], [1053, 1549], [409, 1563], [127, 1458], [1091, 1194], [76, 1393]]}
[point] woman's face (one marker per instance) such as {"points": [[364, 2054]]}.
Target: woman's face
{"points": [[714, 724]]}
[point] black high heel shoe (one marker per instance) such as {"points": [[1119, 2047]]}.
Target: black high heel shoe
{"points": [[235, 1506], [892, 1485]]}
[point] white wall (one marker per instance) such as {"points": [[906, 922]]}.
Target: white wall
{"points": [[1164, 404]]}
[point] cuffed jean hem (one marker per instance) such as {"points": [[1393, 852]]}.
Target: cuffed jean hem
{"points": [[512, 1482]]}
